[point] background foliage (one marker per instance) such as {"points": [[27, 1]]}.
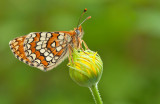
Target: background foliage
{"points": [[126, 34]]}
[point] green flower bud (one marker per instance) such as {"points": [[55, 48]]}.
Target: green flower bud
{"points": [[86, 67]]}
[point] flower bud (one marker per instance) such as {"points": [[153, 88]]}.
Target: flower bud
{"points": [[86, 67]]}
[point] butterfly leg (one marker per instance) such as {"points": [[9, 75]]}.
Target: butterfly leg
{"points": [[80, 45], [70, 53], [85, 44]]}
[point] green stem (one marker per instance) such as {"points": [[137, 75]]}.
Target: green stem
{"points": [[96, 94]]}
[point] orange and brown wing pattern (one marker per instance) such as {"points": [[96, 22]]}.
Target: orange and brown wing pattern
{"points": [[46, 50], [17, 48]]}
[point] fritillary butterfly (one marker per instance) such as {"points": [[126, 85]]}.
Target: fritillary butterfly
{"points": [[45, 50]]}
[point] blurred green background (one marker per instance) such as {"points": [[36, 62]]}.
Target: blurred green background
{"points": [[126, 34]]}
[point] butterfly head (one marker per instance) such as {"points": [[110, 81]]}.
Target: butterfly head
{"points": [[79, 31]]}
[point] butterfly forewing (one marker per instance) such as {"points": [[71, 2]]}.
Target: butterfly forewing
{"points": [[44, 50]]}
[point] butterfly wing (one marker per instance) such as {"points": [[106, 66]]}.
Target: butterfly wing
{"points": [[45, 50], [17, 48]]}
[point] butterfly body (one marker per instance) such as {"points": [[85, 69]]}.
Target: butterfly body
{"points": [[45, 50]]}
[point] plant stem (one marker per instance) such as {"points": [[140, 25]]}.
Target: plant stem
{"points": [[96, 94]]}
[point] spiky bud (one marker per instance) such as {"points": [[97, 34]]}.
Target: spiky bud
{"points": [[86, 67]]}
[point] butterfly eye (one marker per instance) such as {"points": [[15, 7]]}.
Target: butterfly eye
{"points": [[77, 32]]}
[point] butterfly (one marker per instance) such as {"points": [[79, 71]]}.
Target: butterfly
{"points": [[46, 50]]}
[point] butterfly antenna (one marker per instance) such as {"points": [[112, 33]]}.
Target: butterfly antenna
{"points": [[84, 20], [81, 17]]}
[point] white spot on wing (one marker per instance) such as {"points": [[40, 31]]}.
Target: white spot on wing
{"points": [[38, 47], [47, 38], [13, 50], [49, 35], [35, 63], [40, 42], [56, 57], [33, 56], [44, 45], [29, 52], [43, 34], [59, 48], [38, 61], [16, 47], [42, 38], [49, 51], [33, 35], [61, 34], [29, 35], [12, 41], [28, 46], [48, 58], [15, 43], [51, 55], [44, 41], [60, 37], [46, 54], [30, 40], [53, 44], [53, 60], [61, 42], [42, 50]]}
